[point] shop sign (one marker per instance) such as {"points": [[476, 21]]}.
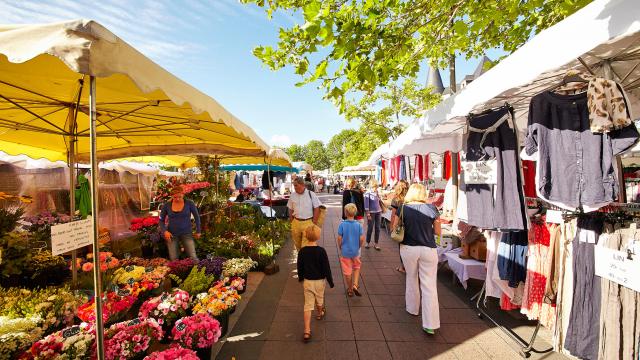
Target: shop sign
{"points": [[72, 331], [71, 236], [618, 266], [480, 172]]}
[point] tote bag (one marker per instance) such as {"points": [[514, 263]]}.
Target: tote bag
{"points": [[397, 235]]}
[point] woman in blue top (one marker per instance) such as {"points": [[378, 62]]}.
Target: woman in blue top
{"points": [[374, 212], [419, 255], [179, 211]]}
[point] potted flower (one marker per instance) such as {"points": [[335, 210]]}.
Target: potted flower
{"points": [[219, 303], [212, 265], [173, 353], [181, 268], [197, 332], [147, 230], [238, 267], [166, 308], [114, 307], [17, 335], [237, 283], [131, 339], [40, 228], [75, 342]]}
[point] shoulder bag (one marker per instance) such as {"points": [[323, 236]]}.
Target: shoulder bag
{"points": [[397, 234]]}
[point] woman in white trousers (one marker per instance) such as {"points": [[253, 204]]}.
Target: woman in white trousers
{"points": [[419, 256]]}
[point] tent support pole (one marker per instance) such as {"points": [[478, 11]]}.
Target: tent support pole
{"points": [[71, 161], [408, 158], [97, 278]]}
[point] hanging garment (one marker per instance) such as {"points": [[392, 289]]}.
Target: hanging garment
{"points": [[402, 172], [529, 177], [447, 165], [495, 287], [620, 323], [418, 172], [575, 167], [83, 197], [449, 202], [583, 331], [512, 254], [492, 136], [383, 172], [426, 168], [539, 263]]}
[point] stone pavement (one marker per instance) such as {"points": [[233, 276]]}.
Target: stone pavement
{"points": [[374, 326]]}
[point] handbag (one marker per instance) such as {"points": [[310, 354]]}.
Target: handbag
{"points": [[397, 234]]}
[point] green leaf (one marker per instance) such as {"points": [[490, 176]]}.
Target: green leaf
{"points": [[311, 10], [321, 69]]}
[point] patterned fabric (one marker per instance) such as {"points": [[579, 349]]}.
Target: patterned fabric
{"points": [[606, 101]]}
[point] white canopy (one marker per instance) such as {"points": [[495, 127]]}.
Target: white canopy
{"points": [[380, 153], [604, 35]]}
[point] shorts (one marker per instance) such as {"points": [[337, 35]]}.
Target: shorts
{"points": [[349, 264], [313, 294]]}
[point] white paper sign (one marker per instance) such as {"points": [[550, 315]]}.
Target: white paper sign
{"points": [[617, 267], [71, 236], [554, 217], [480, 172]]}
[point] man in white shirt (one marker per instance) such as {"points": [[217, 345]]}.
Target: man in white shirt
{"points": [[304, 210]]}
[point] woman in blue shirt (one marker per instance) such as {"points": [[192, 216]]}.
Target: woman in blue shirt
{"points": [[374, 212], [419, 256], [178, 211]]}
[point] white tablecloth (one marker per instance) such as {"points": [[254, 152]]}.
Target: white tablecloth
{"points": [[465, 269]]}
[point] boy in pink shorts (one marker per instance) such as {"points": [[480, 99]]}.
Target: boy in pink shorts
{"points": [[350, 240]]}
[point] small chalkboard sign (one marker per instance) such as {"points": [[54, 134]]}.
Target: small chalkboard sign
{"points": [[72, 331], [148, 269], [129, 268], [127, 255], [123, 292], [134, 322], [131, 281], [115, 288], [164, 297], [209, 256]]}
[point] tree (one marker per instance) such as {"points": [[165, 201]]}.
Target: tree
{"points": [[360, 147], [383, 110], [337, 146], [296, 152], [316, 155], [358, 46]]}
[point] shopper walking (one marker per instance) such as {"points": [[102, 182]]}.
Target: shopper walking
{"points": [[350, 240], [352, 195], [419, 255], [304, 210], [374, 213], [313, 270], [177, 212], [397, 199]]}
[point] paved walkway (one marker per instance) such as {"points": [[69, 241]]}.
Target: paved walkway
{"points": [[374, 326]]}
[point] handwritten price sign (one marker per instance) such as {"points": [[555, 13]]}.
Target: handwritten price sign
{"points": [[71, 236], [617, 267]]}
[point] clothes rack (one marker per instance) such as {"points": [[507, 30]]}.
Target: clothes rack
{"points": [[527, 347]]}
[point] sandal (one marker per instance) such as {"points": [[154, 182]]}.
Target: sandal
{"points": [[401, 270], [350, 292], [355, 291], [306, 337], [321, 313]]}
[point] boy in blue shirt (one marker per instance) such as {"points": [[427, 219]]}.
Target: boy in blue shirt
{"points": [[350, 240]]}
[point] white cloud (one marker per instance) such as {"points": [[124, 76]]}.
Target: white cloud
{"points": [[280, 140]]}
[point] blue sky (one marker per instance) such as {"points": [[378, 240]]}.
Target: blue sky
{"points": [[208, 44]]}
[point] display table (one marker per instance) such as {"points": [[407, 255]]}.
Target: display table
{"points": [[465, 269]]}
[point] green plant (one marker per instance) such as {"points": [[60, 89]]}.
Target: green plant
{"points": [[46, 269], [9, 219], [15, 254], [196, 282]]}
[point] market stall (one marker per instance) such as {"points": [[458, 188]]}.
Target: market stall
{"points": [[63, 86], [559, 273]]}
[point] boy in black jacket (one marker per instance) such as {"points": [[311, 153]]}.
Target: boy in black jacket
{"points": [[313, 269]]}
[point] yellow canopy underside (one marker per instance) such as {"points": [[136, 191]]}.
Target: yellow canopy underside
{"points": [[184, 162]]}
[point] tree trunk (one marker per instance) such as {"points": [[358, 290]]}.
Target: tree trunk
{"points": [[452, 74]]}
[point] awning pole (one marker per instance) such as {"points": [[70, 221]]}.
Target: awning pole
{"points": [[97, 276], [71, 161]]}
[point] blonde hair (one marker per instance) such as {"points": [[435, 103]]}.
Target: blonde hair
{"points": [[351, 183], [350, 210], [373, 183], [312, 232], [416, 193], [400, 190]]}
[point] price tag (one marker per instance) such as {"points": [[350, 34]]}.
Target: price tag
{"points": [[72, 331], [480, 172], [71, 236], [131, 281], [618, 267], [554, 217], [123, 292], [134, 322], [149, 269], [209, 256], [127, 255], [180, 326], [164, 297], [115, 288]]}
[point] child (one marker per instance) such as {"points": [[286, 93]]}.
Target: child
{"points": [[350, 240], [313, 269]]}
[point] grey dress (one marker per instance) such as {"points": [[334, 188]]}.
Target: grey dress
{"points": [[500, 206]]}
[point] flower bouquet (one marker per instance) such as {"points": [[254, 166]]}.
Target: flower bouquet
{"points": [[237, 283], [181, 268], [40, 228], [173, 353], [17, 335], [131, 339], [147, 229], [108, 264], [166, 308], [199, 331], [114, 308], [128, 275], [219, 302], [212, 265], [238, 267], [75, 342]]}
